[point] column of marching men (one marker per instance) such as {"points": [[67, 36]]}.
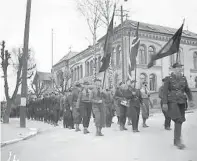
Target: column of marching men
{"points": [[82, 101]]}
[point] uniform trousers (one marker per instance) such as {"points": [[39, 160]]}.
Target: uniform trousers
{"points": [[133, 114], [67, 119], [109, 115], [98, 111], [86, 113], [123, 115], [76, 114], [167, 118], [145, 108], [177, 113]]}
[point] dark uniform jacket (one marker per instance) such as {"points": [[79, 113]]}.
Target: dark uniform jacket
{"points": [[134, 99], [118, 96], [174, 90]]}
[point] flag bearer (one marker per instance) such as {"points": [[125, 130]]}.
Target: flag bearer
{"points": [[174, 101], [86, 106], [97, 106], [135, 100]]}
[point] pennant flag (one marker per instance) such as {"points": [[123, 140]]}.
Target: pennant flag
{"points": [[108, 46], [171, 47], [133, 53]]}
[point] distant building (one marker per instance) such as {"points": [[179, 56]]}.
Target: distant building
{"points": [[42, 83], [152, 38]]}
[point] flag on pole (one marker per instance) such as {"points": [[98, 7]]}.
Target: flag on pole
{"points": [[108, 46], [171, 47], [133, 53]]}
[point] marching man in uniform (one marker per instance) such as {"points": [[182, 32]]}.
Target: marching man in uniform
{"points": [[86, 105], [98, 107], [174, 100]]}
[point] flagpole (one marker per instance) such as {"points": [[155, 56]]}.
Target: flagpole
{"points": [[104, 79], [135, 74], [122, 46]]}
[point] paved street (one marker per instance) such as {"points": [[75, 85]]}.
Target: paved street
{"points": [[151, 144]]}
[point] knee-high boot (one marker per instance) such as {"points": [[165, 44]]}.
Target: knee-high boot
{"points": [[177, 136]]}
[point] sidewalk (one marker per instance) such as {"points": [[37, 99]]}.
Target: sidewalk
{"points": [[12, 133]]}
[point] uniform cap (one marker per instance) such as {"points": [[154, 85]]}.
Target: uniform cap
{"points": [[77, 84], [120, 83], [86, 83], [97, 80], [177, 65], [133, 81], [145, 82]]}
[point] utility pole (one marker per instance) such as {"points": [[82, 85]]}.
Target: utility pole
{"points": [[122, 46], [51, 48], [24, 71]]}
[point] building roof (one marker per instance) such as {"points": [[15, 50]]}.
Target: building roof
{"points": [[69, 55], [158, 28], [154, 28], [42, 76], [142, 26]]}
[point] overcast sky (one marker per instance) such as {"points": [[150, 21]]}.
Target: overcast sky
{"points": [[70, 28]]}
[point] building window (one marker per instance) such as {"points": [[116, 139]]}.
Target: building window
{"points": [[91, 67], [174, 57], [75, 74], [142, 54], [113, 57], [95, 65], [81, 71], [99, 62], [195, 82], [152, 82], [195, 59], [118, 53], [72, 75], [87, 69], [151, 51]]}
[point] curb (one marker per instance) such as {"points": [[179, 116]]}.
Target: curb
{"points": [[9, 142]]}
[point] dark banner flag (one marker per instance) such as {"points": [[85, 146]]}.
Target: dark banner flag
{"points": [[133, 53], [171, 47], [108, 46]]}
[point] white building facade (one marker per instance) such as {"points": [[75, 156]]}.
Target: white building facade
{"points": [[152, 39]]}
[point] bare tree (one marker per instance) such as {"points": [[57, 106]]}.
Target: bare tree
{"points": [[6, 61], [63, 78], [106, 9], [39, 88], [90, 10]]}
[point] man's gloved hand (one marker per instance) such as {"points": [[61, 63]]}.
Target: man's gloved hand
{"points": [[165, 107], [191, 104]]}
